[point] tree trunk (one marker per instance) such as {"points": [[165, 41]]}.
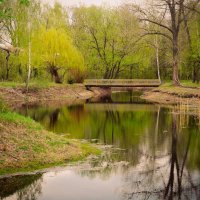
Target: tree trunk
{"points": [[157, 58], [197, 76], [29, 68], [54, 118], [106, 74], [176, 80], [29, 53], [54, 73], [194, 74], [7, 65]]}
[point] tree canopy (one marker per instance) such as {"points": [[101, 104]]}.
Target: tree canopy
{"points": [[128, 41]]}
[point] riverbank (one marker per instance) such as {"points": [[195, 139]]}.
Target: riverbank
{"points": [[15, 94], [26, 146], [169, 94]]}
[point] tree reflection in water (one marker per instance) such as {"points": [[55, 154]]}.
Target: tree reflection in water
{"points": [[54, 118], [174, 180], [160, 144], [27, 187], [166, 174]]}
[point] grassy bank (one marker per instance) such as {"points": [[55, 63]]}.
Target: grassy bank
{"points": [[187, 90], [170, 94], [26, 146]]}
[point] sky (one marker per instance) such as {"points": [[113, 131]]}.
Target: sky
{"points": [[92, 2]]}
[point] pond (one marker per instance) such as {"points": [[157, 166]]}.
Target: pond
{"points": [[151, 152]]}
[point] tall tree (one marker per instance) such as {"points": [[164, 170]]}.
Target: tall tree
{"points": [[108, 37], [169, 16]]}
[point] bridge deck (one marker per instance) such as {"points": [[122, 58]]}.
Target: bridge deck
{"points": [[122, 83]]}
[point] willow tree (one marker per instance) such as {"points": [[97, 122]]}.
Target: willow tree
{"points": [[53, 48]]}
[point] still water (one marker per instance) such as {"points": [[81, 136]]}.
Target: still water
{"points": [[151, 152]]}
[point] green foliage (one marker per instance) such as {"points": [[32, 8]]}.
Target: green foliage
{"points": [[108, 39], [88, 41], [190, 50], [55, 17], [54, 47], [51, 45], [25, 2], [76, 75]]}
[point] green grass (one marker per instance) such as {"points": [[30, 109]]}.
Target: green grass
{"points": [[88, 149], [34, 84], [190, 84], [185, 83], [13, 117], [3, 107], [189, 89]]}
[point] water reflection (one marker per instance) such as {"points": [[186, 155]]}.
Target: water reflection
{"points": [[119, 98], [21, 187], [155, 154], [170, 176]]}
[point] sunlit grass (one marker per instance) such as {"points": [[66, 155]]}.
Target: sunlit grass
{"points": [[189, 89], [186, 83], [13, 117], [37, 83], [190, 84]]}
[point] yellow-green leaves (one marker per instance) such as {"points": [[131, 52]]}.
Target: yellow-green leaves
{"points": [[107, 37], [54, 47]]}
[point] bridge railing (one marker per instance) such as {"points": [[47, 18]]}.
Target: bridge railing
{"points": [[122, 82]]}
